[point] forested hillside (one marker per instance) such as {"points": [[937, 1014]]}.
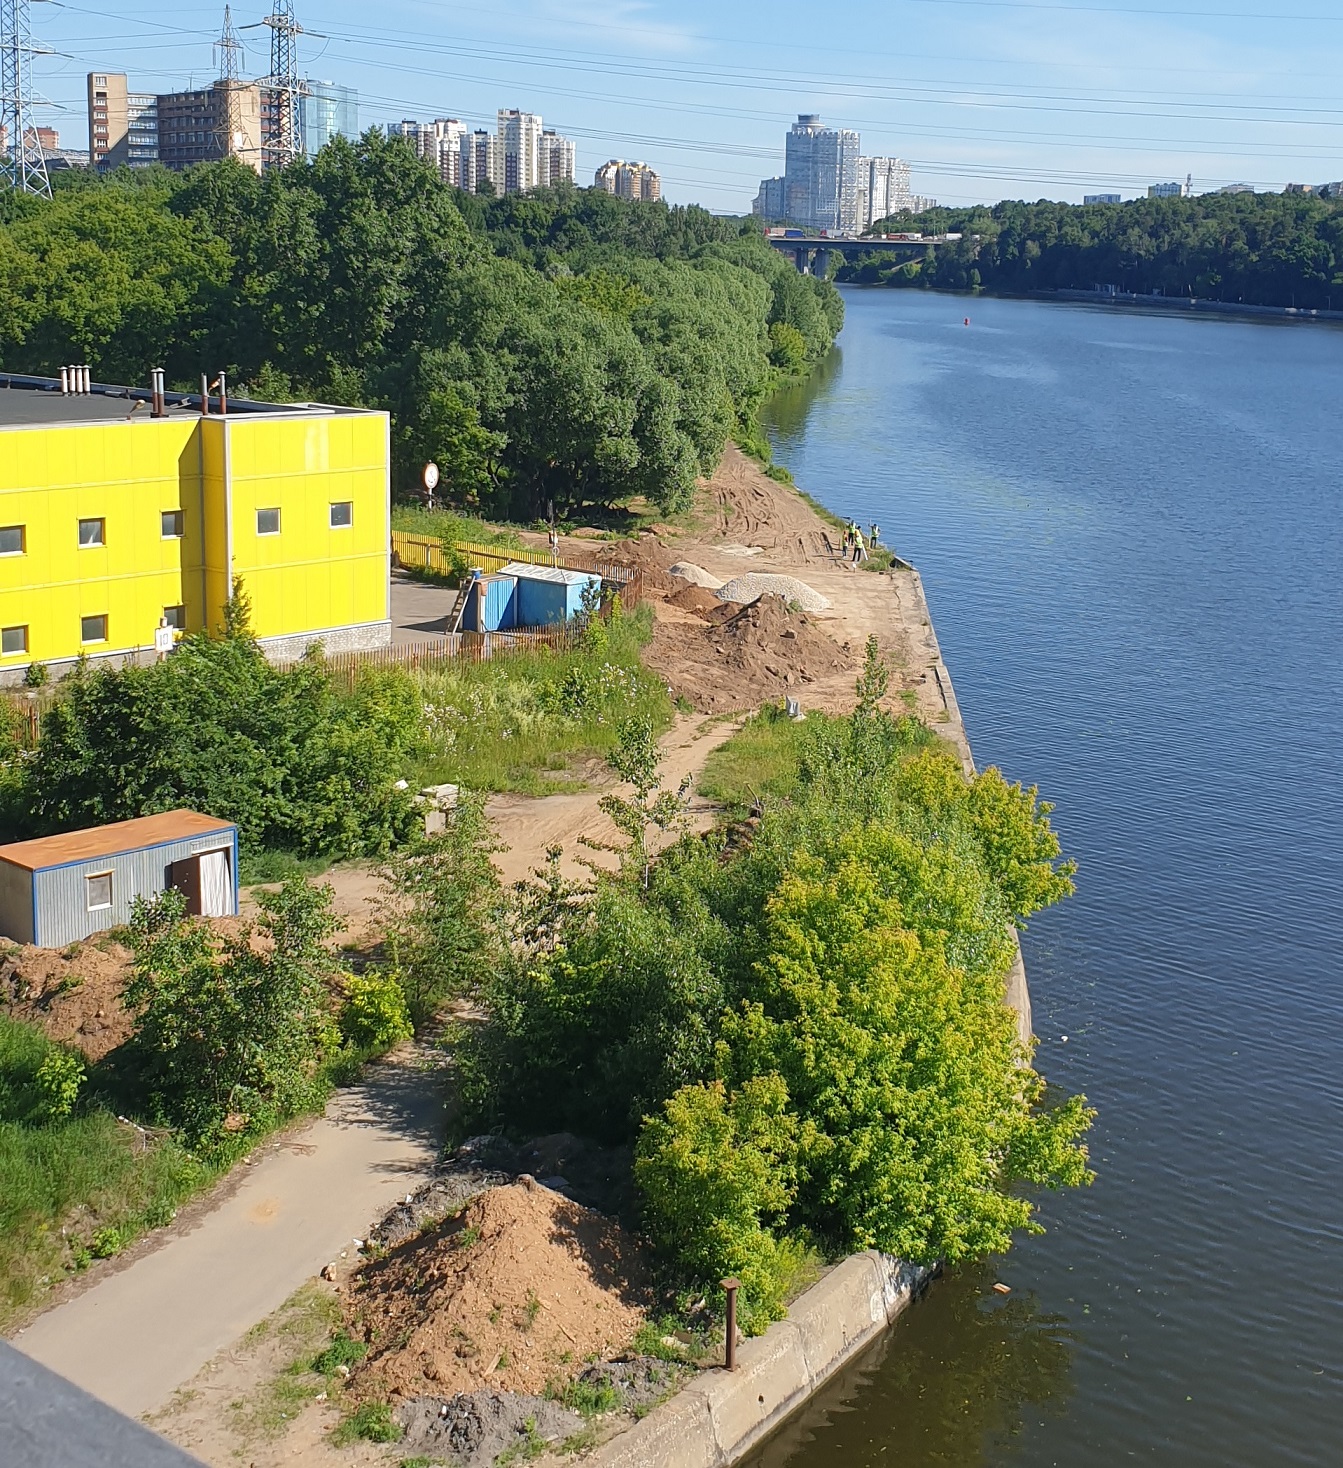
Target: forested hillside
{"points": [[1266, 249], [563, 347]]}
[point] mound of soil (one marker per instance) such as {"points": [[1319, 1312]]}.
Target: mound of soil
{"points": [[697, 599], [475, 1427], [745, 656], [503, 1296], [647, 555], [74, 994]]}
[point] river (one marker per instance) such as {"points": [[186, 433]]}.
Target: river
{"points": [[1129, 529]]}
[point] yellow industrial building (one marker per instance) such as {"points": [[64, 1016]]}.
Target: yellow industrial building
{"points": [[124, 511]]}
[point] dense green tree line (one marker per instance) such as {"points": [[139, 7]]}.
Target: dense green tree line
{"points": [[564, 347], [1264, 249]]}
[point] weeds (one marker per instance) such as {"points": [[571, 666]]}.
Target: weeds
{"points": [[588, 1398], [528, 1447], [370, 1421]]}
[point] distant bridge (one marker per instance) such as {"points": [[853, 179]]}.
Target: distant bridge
{"points": [[811, 253]]}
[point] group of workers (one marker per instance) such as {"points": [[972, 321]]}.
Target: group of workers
{"points": [[855, 547]]}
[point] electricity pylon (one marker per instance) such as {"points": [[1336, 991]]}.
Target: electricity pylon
{"points": [[286, 142], [24, 166], [228, 57]]}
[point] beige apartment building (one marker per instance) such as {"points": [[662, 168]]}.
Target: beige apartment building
{"points": [[136, 129], [629, 180]]}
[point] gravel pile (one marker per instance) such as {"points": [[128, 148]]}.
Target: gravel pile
{"points": [[755, 584], [696, 575], [476, 1427]]}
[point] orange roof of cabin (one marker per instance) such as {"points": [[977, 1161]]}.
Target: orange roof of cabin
{"points": [[113, 840]]}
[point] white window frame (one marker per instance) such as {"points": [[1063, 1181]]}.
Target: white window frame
{"points": [[14, 652], [23, 540], [95, 617], [89, 904], [180, 612], [348, 507], [179, 519], [269, 510], [101, 543]]}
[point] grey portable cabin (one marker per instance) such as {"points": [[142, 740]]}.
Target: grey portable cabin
{"points": [[58, 889]]}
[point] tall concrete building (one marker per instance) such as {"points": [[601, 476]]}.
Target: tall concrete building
{"points": [[1172, 190], [438, 142], [518, 141], [771, 203], [883, 189], [629, 181], [477, 161], [557, 160], [326, 111], [123, 125], [821, 175], [223, 120]]}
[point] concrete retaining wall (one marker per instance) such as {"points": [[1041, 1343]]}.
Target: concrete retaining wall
{"points": [[721, 1416]]}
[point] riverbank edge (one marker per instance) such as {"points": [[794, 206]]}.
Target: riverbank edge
{"points": [[718, 1418], [1128, 301]]}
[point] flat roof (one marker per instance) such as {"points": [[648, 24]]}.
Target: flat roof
{"points": [[112, 840], [547, 573], [27, 402]]}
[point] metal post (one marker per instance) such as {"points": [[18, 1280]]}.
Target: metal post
{"points": [[731, 1286]]}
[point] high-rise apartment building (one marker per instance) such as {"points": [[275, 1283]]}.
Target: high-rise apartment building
{"points": [[629, 180], [771, 203], [326, 111], [1172, 190], [558, 159], [478, 160], [123, 125], [883, 189], [821, 176], [518, 140], [223, 120], [438, 143]]}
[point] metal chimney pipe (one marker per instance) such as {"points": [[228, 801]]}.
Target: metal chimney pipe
{"points": [[85, 379], [156, 392], [205, 396], [65, 382], [223, 395]]}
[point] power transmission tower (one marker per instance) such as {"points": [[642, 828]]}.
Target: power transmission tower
{"points": [[228, 58], [286, 142], [25, 166]]}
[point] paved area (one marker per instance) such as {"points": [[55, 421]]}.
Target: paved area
{"points": [[419, 612], [135, 1337]]}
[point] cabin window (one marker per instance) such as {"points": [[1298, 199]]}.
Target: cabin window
{"points": [[98, 891]]}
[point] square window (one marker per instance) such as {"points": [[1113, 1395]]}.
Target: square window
{"points": [[98, 891], [92, 532], [175, 617], [13, 640], [342, 514], [268, 522], [170, 524], [13, 540], [93, 629]]}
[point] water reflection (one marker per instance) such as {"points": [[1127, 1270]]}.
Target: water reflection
{"points": [[786, 411], [962, 1375]]}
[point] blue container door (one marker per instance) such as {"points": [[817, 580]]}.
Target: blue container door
{"points": [[500, 603]]}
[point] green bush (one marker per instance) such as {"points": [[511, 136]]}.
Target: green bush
{"points": [[374, 1016], [58, 1082]]}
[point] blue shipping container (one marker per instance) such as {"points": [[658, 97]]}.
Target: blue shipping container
{"points": [[548, 596], [492, 604]]}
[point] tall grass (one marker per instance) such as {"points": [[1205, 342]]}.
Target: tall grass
{"points": [[516, 722], [74, 1187], [759, 761], [451, 527]]}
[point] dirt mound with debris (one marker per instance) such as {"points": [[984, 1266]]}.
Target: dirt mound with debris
{"points": [[520, 1283], [696, 599], [764, 651], [647, 555], [474, 1428], [74, 993]]}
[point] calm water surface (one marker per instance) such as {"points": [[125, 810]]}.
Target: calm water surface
{"points": [[1129, 529]]}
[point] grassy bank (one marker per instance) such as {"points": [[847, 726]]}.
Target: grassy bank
{"points": [[519, 722]]}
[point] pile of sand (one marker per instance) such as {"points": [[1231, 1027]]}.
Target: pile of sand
{"points": [[755, 584], [696, 599], [745, 656], [521, 1283], [696, 575], [74, 994]]}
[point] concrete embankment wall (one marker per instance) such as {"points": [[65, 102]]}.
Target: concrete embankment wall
{"points": [[722, 1415]]}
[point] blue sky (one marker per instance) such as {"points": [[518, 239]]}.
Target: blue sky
{"points": [[988, 99]]}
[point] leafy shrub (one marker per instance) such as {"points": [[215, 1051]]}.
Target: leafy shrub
{"points": [[229, 1032], [106, 1242], [374, 1016], [58, 1081], [343, 1351]]}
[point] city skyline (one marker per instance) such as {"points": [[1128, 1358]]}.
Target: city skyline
{"points": [[986, 99]]}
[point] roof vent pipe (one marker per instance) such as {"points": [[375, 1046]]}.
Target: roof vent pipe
{"points": [[223, 394], [85, 380], [205, 396], [65, 382], [156, 392]]}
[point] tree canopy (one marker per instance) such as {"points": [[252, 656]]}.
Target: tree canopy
{"points": [[558, 348], [1264, 249]]}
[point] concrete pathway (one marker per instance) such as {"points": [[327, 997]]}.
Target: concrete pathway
{"points": [[135, 1337]]}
